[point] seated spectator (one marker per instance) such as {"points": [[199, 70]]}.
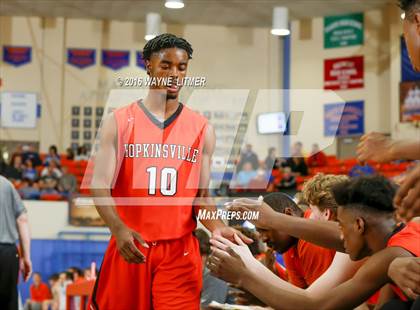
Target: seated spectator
{"points": [[29, 171], [67, 183], [298, 166], [214, 289], [48, 185], [69, 153], [246, 174], [297, 149], [18, 152], [248, 156], [64, 279], [78, 274], [39, 293], [270, 161], [29, 189], [5, 169], [317, 157], [361, 170], [53, 281], [51, 170], [81, 154], [261, 180], [15, 169], [30, 153], [288, 180], [52, 156]]}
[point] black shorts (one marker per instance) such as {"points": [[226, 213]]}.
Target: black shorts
{"points": [[9, 271]]}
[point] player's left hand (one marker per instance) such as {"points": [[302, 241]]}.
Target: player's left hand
{"points": [[405, 272], [227, 265], [240, 248], [229, 233], [407, 198]]}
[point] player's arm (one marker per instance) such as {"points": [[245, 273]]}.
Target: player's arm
{"points": [[341, 269], [322, 233], [204, 199], [105, 163], [376, 146], [216, 226], [369, 278]]}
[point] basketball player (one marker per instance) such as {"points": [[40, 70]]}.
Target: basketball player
{"points": [[153, 161], [368, 228]]}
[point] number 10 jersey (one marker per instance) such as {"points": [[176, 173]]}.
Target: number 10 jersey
{"points": [[158, 170]]}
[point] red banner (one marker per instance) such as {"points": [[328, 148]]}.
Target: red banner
{"points": [[343, 73]]}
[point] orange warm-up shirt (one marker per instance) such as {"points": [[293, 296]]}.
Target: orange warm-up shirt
{"points": [[407, 238], [40, 293], [159, 164], [306, 262]]}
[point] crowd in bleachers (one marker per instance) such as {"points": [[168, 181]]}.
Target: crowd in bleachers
{"points": [[275, 173], [53, 176], [45, 176]]}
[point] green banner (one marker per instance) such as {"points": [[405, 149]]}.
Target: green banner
{"points": [[343, 30]]}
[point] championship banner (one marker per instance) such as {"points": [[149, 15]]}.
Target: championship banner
{"points": [[17, 55], [344, 119], [343, 30], [115, 59], [409, 101], [407, 71], [81, 58], [139, 60], [343, 73], [18, 110]]}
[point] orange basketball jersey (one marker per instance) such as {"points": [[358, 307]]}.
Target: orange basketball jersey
{"points": [[158, 170]]}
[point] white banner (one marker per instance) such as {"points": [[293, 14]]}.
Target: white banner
{"points": [[18, 110]]}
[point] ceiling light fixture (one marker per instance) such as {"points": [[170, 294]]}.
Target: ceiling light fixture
{"points": [[174, 4], [280, 21]]}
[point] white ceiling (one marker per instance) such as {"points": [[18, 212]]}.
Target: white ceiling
{"points": [[213, 12]]}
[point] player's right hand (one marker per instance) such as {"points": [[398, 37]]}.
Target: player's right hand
{"points": [[374, 146], [244, 205], [125, 238]]}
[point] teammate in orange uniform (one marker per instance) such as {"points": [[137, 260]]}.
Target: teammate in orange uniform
{"points": [[368, 228], [153, 162], [305, 262]]}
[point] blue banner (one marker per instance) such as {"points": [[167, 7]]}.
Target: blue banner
{"points": [[407, 71], [139, 60], [81, 58], [17, 55], [344, 119], [115, 59]]}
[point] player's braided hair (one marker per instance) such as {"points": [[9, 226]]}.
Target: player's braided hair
{"points": [[410, 7], [163, 41]]}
